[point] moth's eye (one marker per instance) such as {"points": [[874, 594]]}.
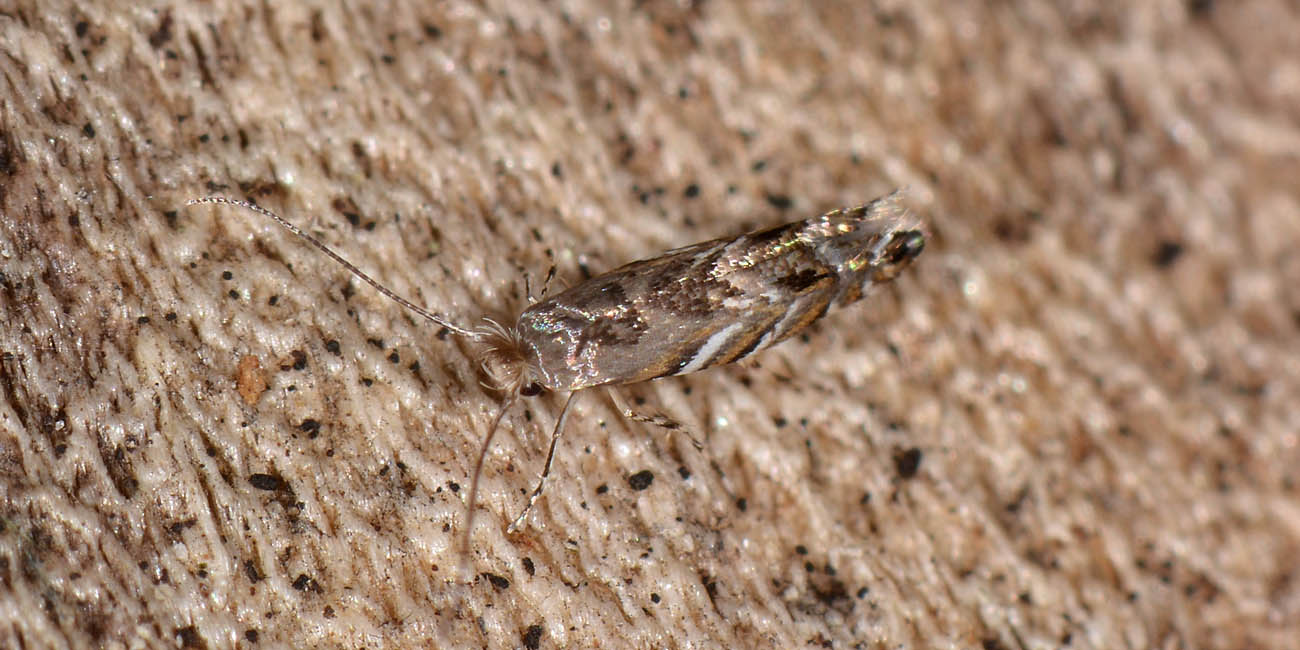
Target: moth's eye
{"points": [[531, 390]]}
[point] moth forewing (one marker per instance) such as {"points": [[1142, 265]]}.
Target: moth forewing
{"points": [[714, 302]]}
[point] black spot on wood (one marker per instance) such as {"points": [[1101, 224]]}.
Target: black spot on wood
{"points": [[641, 480], [532, 637], [268, 482], [908, 462]]}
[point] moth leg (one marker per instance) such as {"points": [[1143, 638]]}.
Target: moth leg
{"points": [[546, 470], [658, 419], [528, 284], [546, 285], [471, 507], [665, 422]]}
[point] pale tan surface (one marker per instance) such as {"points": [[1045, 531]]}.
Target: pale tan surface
{"points": [[1109, 445]]}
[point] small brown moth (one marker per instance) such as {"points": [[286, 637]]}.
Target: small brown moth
{"points": [[686, 310]]}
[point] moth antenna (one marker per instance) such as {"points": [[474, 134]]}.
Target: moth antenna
{"points": [[352, 268], [546, 470], [473, 485]]}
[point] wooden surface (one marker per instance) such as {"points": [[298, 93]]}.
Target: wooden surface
{"points": [[1072, 424]]}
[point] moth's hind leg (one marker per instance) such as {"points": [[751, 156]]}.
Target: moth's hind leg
{"points": [[658, 419], [546, 469]]}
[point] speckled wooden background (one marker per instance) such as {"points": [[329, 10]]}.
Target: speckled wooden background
{"points": [[1074, 424]]}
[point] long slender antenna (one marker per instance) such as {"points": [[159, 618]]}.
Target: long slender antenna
{"points": [[437, 320]]}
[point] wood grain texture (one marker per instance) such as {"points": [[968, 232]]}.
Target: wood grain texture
{"points": [[1077, 430]]}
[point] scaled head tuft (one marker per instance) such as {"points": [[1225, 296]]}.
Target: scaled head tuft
{"points": [[505, 361]]}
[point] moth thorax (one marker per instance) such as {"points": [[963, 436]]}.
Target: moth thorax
{"points": [[505, 362]]}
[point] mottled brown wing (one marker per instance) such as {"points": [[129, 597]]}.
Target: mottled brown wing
{"points": [[673, 315], [714, 302]]}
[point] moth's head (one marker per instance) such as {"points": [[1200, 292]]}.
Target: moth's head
{"points": [[506, 362]]}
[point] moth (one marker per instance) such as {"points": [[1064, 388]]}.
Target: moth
{"points": [[685, 310]]}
